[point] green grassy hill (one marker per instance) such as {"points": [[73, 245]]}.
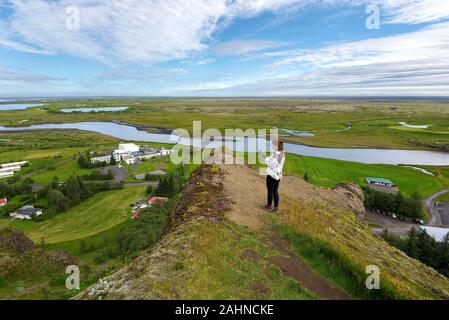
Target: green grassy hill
{"points": [[208, 254], [97, 214]]}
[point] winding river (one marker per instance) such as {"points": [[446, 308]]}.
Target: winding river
{"points": [[369, 156]]}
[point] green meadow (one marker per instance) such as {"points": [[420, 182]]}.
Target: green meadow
{"points": [[329, 172], [374, 123], [95, 215]]}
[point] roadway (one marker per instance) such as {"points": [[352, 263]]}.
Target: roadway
{"points": [[438, 216]]}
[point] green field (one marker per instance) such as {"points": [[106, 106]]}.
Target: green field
{"points": [[329, 172], [374, 123], [99, 213]]}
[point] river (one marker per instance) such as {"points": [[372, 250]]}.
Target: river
{"points": [[369, 156]]}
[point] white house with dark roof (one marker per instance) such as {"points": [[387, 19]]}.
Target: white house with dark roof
{"points": [[26, 213]]}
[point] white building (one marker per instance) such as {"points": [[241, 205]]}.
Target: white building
{"points": [[164, 152], [128, 159], [99, 159], [8, 169], [127, 147], [439, 234], [6, 174], [13, 164], [26, 213]]}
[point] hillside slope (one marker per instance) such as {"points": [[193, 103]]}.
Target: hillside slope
{"points": [[221, 245]]}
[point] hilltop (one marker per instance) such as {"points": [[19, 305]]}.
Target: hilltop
{"points": [[220, 245]]}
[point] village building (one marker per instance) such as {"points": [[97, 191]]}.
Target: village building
{"points": [[9, 169], [129, 153], [101, 159], [380, 182], [145, 203], [128, 159], [6, 174], [13, 164], [3, 202], [127, 147], [26, 213]]}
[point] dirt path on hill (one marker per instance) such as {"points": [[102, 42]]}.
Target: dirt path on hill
{"points": [[247, 190]]}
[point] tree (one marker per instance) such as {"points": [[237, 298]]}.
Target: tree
{"points": [[306, 177], [57, 200]]}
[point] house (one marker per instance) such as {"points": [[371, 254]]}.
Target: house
{"points": [[7, 169], [154, 200], [164, 152], [6, 174], [14, 164], [439, 234], [128, 159], [145, 203], [3, 202], [26, 213], [127, 147], [99, 159], [380, 182]]}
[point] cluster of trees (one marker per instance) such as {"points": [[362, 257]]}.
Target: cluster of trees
{"points": [[145, 231], [62, 196], [135, 236], [396, 203], [171, 184], [98, 176], [419, 245], [12, 188]]}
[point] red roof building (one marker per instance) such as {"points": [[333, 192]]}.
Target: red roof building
{"points": [[154, 200]]}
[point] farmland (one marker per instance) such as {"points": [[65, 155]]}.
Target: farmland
{"points": [[371, 123]]}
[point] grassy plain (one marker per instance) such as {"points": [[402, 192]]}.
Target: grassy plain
{"points": [[329, 172], [374, 123], [99, 213]]}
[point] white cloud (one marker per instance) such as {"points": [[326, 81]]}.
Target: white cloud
{"points": [[431, 43], [11, 75], [415, 63], [119, 32], [241, 47], [135, 31], [141, 73]]}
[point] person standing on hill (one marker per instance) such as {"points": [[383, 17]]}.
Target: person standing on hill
{"points": [[275, 164]]}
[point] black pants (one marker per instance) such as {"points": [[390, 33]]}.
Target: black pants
{"points": [[272, 188]]}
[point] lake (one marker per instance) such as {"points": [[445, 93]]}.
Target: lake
{"points": [[102, 109], [19, 106], [254, 144]]}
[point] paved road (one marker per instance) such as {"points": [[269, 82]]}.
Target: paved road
{"points": [[138, 184], [120, 174], [395, 227], [435, 218]]}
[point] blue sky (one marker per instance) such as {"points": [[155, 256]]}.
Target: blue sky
{"points": [[223, 48]]}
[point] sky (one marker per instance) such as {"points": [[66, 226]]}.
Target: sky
{"points": [[224, 48]]}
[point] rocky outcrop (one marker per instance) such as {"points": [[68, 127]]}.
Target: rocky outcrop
{"points": [[354, 196], [14, 240]]}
